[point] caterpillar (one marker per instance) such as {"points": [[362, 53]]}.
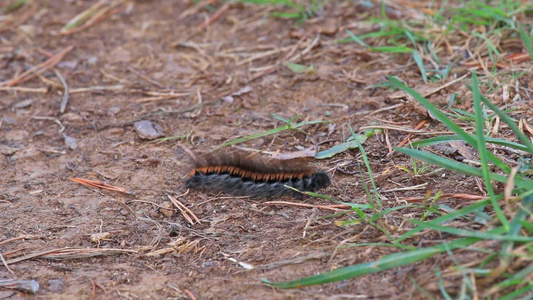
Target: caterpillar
{"points": [[242, 174]]}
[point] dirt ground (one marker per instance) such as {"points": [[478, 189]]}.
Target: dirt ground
{"points": [[154, 60]]}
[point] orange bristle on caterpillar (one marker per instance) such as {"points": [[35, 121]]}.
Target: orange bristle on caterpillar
{"points": [[242, 174]]}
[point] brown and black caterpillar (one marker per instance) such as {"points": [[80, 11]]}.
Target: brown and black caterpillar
{"points": [[241, 174]]}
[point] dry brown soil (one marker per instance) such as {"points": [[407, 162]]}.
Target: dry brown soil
{"points": [[153, 48]]}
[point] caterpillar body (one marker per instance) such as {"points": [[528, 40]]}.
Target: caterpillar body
{"points": [[241, 174]]}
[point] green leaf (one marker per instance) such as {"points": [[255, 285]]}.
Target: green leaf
{"points": [[350, 144], [297, 68]]}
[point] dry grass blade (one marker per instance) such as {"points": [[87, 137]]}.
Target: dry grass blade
{"points": [[96, 13], [101, 185], [406, 139], [24, 89], [39, 69], [333, 207], [161, 97], [22, 237], [64, 99], [187, 213], [216, 15], [6, 265], [96, 89], [446, 196], [433, 91], [71, 253]]}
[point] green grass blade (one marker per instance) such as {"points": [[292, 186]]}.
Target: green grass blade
{"points": [[460, 167], [445, 120], [441, 285], [515, 294], [420, 64], [400, 246], [387, 262], [522, 137], [392, 49], [13, 6], [356, 39], [516, 278], [451, 216], [476, 234], [516, 226], [388, 210], [369, 169], [527, 41], [483, 153], [269, 132], [448, 138]]}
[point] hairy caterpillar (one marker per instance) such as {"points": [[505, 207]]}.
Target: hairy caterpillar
{"points": [[241, 174]]}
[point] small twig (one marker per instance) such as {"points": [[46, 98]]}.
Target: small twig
{"points": [[71, 253], [159, 85], [215, 16], [61, 127], [408, 188], [22, 237], [64, 100], [445, 196], [406, 139], [96, 88], [184, 210], [101, 185], [403, 95], [93, 291], [24, 89], [100, 286], [189, 294], [162, 97], [5, 264]]}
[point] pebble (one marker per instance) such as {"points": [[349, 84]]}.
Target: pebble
{"points": [[71, 142], [148, 130]]}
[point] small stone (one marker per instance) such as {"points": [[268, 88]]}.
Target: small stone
{"points": [[71, 117], [56, 285], [23, 104], [9, 120], [100, 237], [71, 142], [113, 111], [6, 150], [148, 130], [167, 210], [92, 60], [71, 64]]}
